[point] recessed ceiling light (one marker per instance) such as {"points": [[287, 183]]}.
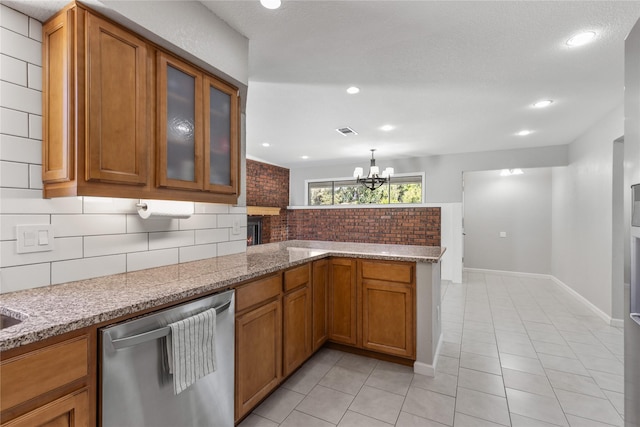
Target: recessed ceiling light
{"points": [[387, 128], [524, 132], [543, 104], [305, 157], [353, 90], [266, 144], [271, 4], [581, 39]]}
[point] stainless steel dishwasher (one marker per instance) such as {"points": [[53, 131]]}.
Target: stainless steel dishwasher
{"points": [[136, 388]]}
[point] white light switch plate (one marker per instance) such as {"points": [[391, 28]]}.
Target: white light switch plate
{"points": [[503, 234], [34, 238]]}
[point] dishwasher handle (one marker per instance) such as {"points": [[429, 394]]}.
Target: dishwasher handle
{"points": [[156, 333]]}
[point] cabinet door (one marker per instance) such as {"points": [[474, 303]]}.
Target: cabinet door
{"points": [[58, 151], [118, 136], [320, 302], [388, 323], [68, 411], [221, 137], [343, 302], [296, 310], [258, 355], [179, 124]]}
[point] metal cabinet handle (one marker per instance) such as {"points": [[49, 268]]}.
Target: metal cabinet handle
{"points": [[156, 333]]}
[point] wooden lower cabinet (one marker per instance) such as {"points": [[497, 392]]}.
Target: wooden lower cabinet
{"points": [[372, 305], [388, 323], [258, 355], [343, 301], [52, 383], [69, 411], [296, 312], [319, 285]]}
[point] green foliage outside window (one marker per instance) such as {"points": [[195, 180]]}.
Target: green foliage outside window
{"points": [[400, 190]]}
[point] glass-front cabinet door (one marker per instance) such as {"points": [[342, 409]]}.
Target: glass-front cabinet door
{"points": [[221, 136], [180, 130], [198, 129]]}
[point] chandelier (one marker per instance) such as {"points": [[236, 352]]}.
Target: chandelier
{"points": [[374, 179]]}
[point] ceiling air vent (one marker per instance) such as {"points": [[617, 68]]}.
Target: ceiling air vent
{"points": [[346, 131]]}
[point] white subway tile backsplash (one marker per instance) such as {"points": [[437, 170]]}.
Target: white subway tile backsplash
{"points": [[198, 222], [238, 210], [171, 239], [17, 201], [197, 252], [8, 224], [14, 175], [108, 205], [20, 98], [88, 225], [35, 29], [21, 47], [135, 224], [64, 248], [214, 235], [211, 208], [13, 70], [14, 20], [143, 260], [18, 149], [14, 122], [230, 248], [34, 77], [35, 177], [87, 268], [25, 277], [115, 244], [240, 236], [225, 221], [35, 126]]}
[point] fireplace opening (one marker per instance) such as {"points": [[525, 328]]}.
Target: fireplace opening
{"points": [[254, 230]]}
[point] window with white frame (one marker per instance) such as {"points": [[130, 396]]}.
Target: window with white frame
{"points": [[402, 188]]}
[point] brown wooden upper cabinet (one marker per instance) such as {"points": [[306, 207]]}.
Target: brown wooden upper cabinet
{"points": [[197, 129], [124, 118]]}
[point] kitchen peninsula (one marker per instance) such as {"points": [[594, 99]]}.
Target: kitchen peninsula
{"points": [[49, 312]]}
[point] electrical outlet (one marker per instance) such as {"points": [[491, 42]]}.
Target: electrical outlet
{"points": [[236, 227], [34, 238], [503, 234]]}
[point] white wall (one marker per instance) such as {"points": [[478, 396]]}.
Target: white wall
{"points": [[520, 206], [443, 173], [582, 213], [94, 236]]}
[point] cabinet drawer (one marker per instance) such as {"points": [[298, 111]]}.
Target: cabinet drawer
{"points": [[40, 371], [296, 277], [388, 271], [258, 291]]}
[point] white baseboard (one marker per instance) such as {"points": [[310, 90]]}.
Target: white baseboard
{"points": [[601, 314], [604, 316], [426, 369], [508, 273], [617, 323]]}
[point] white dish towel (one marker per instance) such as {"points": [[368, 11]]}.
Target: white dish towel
{"points": [[191, 349]]}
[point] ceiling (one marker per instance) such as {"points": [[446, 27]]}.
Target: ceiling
{"points": [[450, 76]]}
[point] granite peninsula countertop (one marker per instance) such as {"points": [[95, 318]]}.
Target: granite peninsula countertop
{"points": [[57, 309]]}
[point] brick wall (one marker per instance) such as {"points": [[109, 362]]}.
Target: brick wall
{"points": [[268, 185], [405, 226]]}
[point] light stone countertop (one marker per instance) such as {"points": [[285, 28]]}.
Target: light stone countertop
{"points": [[57, 309]]}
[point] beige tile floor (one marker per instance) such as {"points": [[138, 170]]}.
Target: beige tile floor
{"points": [[516, 352]]}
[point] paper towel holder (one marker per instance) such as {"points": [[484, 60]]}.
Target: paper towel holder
{"points": [[163, 208]]}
